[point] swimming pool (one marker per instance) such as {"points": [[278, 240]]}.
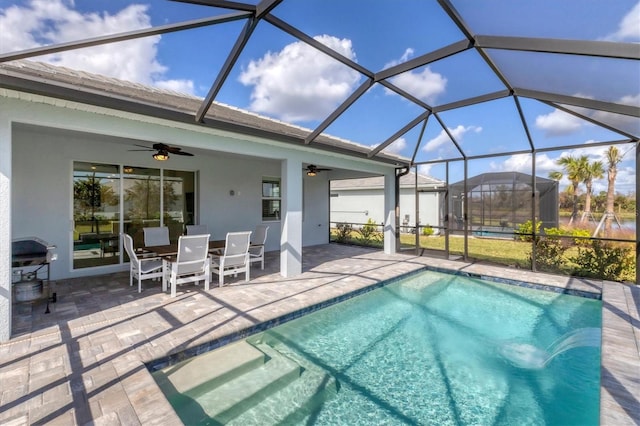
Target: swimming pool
{"points": [[433, 348]]}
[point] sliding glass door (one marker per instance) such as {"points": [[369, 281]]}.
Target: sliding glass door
{"points": [[141, 204], [96, 214], [108, 199]]}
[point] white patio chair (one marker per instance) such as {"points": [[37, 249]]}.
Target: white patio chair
{"points": [[142, 269], [192, 263], [235, 258], [156, 236], [258, 240], [197, 229]]}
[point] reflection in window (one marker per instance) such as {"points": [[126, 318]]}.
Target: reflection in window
{"points": [[97, 200], [270, 199], [96, 210], [178, 201], [141, 188]]}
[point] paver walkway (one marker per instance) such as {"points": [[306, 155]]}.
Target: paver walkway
{"points": [[83, 363]]}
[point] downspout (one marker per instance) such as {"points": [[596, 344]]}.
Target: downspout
{"points": [[399, 173]]}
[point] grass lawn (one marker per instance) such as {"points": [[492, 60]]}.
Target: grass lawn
{"points": [[502, 251], [513, 253]]}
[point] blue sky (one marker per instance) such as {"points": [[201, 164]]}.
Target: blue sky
{"points": [[281, 77]]}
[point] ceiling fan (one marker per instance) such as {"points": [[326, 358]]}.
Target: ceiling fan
{"points": [[162, 151], [313, 170]]}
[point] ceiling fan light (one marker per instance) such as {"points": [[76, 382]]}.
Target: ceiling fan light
{"points": [[161, 155], [311, 173]]}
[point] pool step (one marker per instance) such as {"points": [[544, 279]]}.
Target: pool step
{"points": [[229, 400], [293, 403], [260, 381], [211, 369]]}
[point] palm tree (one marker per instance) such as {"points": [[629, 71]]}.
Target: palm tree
{"points": [[613, 158], [574, 167], [591, 171], [555, 175]]}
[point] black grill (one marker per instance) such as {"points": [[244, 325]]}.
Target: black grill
{"points": [[30, 258], [31, 251]]}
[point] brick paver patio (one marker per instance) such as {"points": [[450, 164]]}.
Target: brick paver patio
{"points": [[84, 362]]}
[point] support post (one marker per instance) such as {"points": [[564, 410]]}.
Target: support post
{"points": [[390, 208], [5, 226], [291, 216]]}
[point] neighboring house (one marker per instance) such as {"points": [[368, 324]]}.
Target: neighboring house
{"points": [[357, 201], [501, 201]]}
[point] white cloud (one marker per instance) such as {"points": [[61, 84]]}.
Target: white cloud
{"points": [[300, 83], [45, 22], [425, 85], [443, 140], [180, 86], [425, 169], [628, 28], [624, 122], [558, 123], [632, 100], [394, 147], [514, 163], [625, 180]]}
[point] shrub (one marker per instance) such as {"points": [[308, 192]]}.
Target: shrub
{"points": [[525, 230], [597, 259], [581, 233], [576, 232], [369, 232], [549, 254], [554, 232], [343, 233], [427, 230]]}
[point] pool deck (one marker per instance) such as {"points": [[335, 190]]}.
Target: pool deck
{"points": [[84, 362]]}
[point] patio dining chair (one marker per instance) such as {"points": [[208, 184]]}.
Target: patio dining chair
{"points": [[197, 229], [141, 268], [192, 263], [235, 258], [156, 236], [258, 240]]}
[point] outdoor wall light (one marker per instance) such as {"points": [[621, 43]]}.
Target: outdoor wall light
{"points": [[161, 155]]}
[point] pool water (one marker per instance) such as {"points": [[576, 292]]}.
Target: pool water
{"points": [[431, 349]]}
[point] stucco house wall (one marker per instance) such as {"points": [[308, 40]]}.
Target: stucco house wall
{"points": [[42, 164], [358, 200]]}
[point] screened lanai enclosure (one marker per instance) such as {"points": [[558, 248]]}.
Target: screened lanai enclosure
{"points": [[491, 99]]}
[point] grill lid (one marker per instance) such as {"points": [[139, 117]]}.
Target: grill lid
{"points": [[31, 251]]}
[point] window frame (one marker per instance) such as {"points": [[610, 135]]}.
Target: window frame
{"points": [[269, 198]]}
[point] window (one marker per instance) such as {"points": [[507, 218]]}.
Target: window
{"points": [[270, 199]]}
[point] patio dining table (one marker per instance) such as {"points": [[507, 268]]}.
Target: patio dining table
{"points": [[172, 249]]}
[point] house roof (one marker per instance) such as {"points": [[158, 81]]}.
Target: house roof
{"points": [[377, 182], [49, 80]]}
